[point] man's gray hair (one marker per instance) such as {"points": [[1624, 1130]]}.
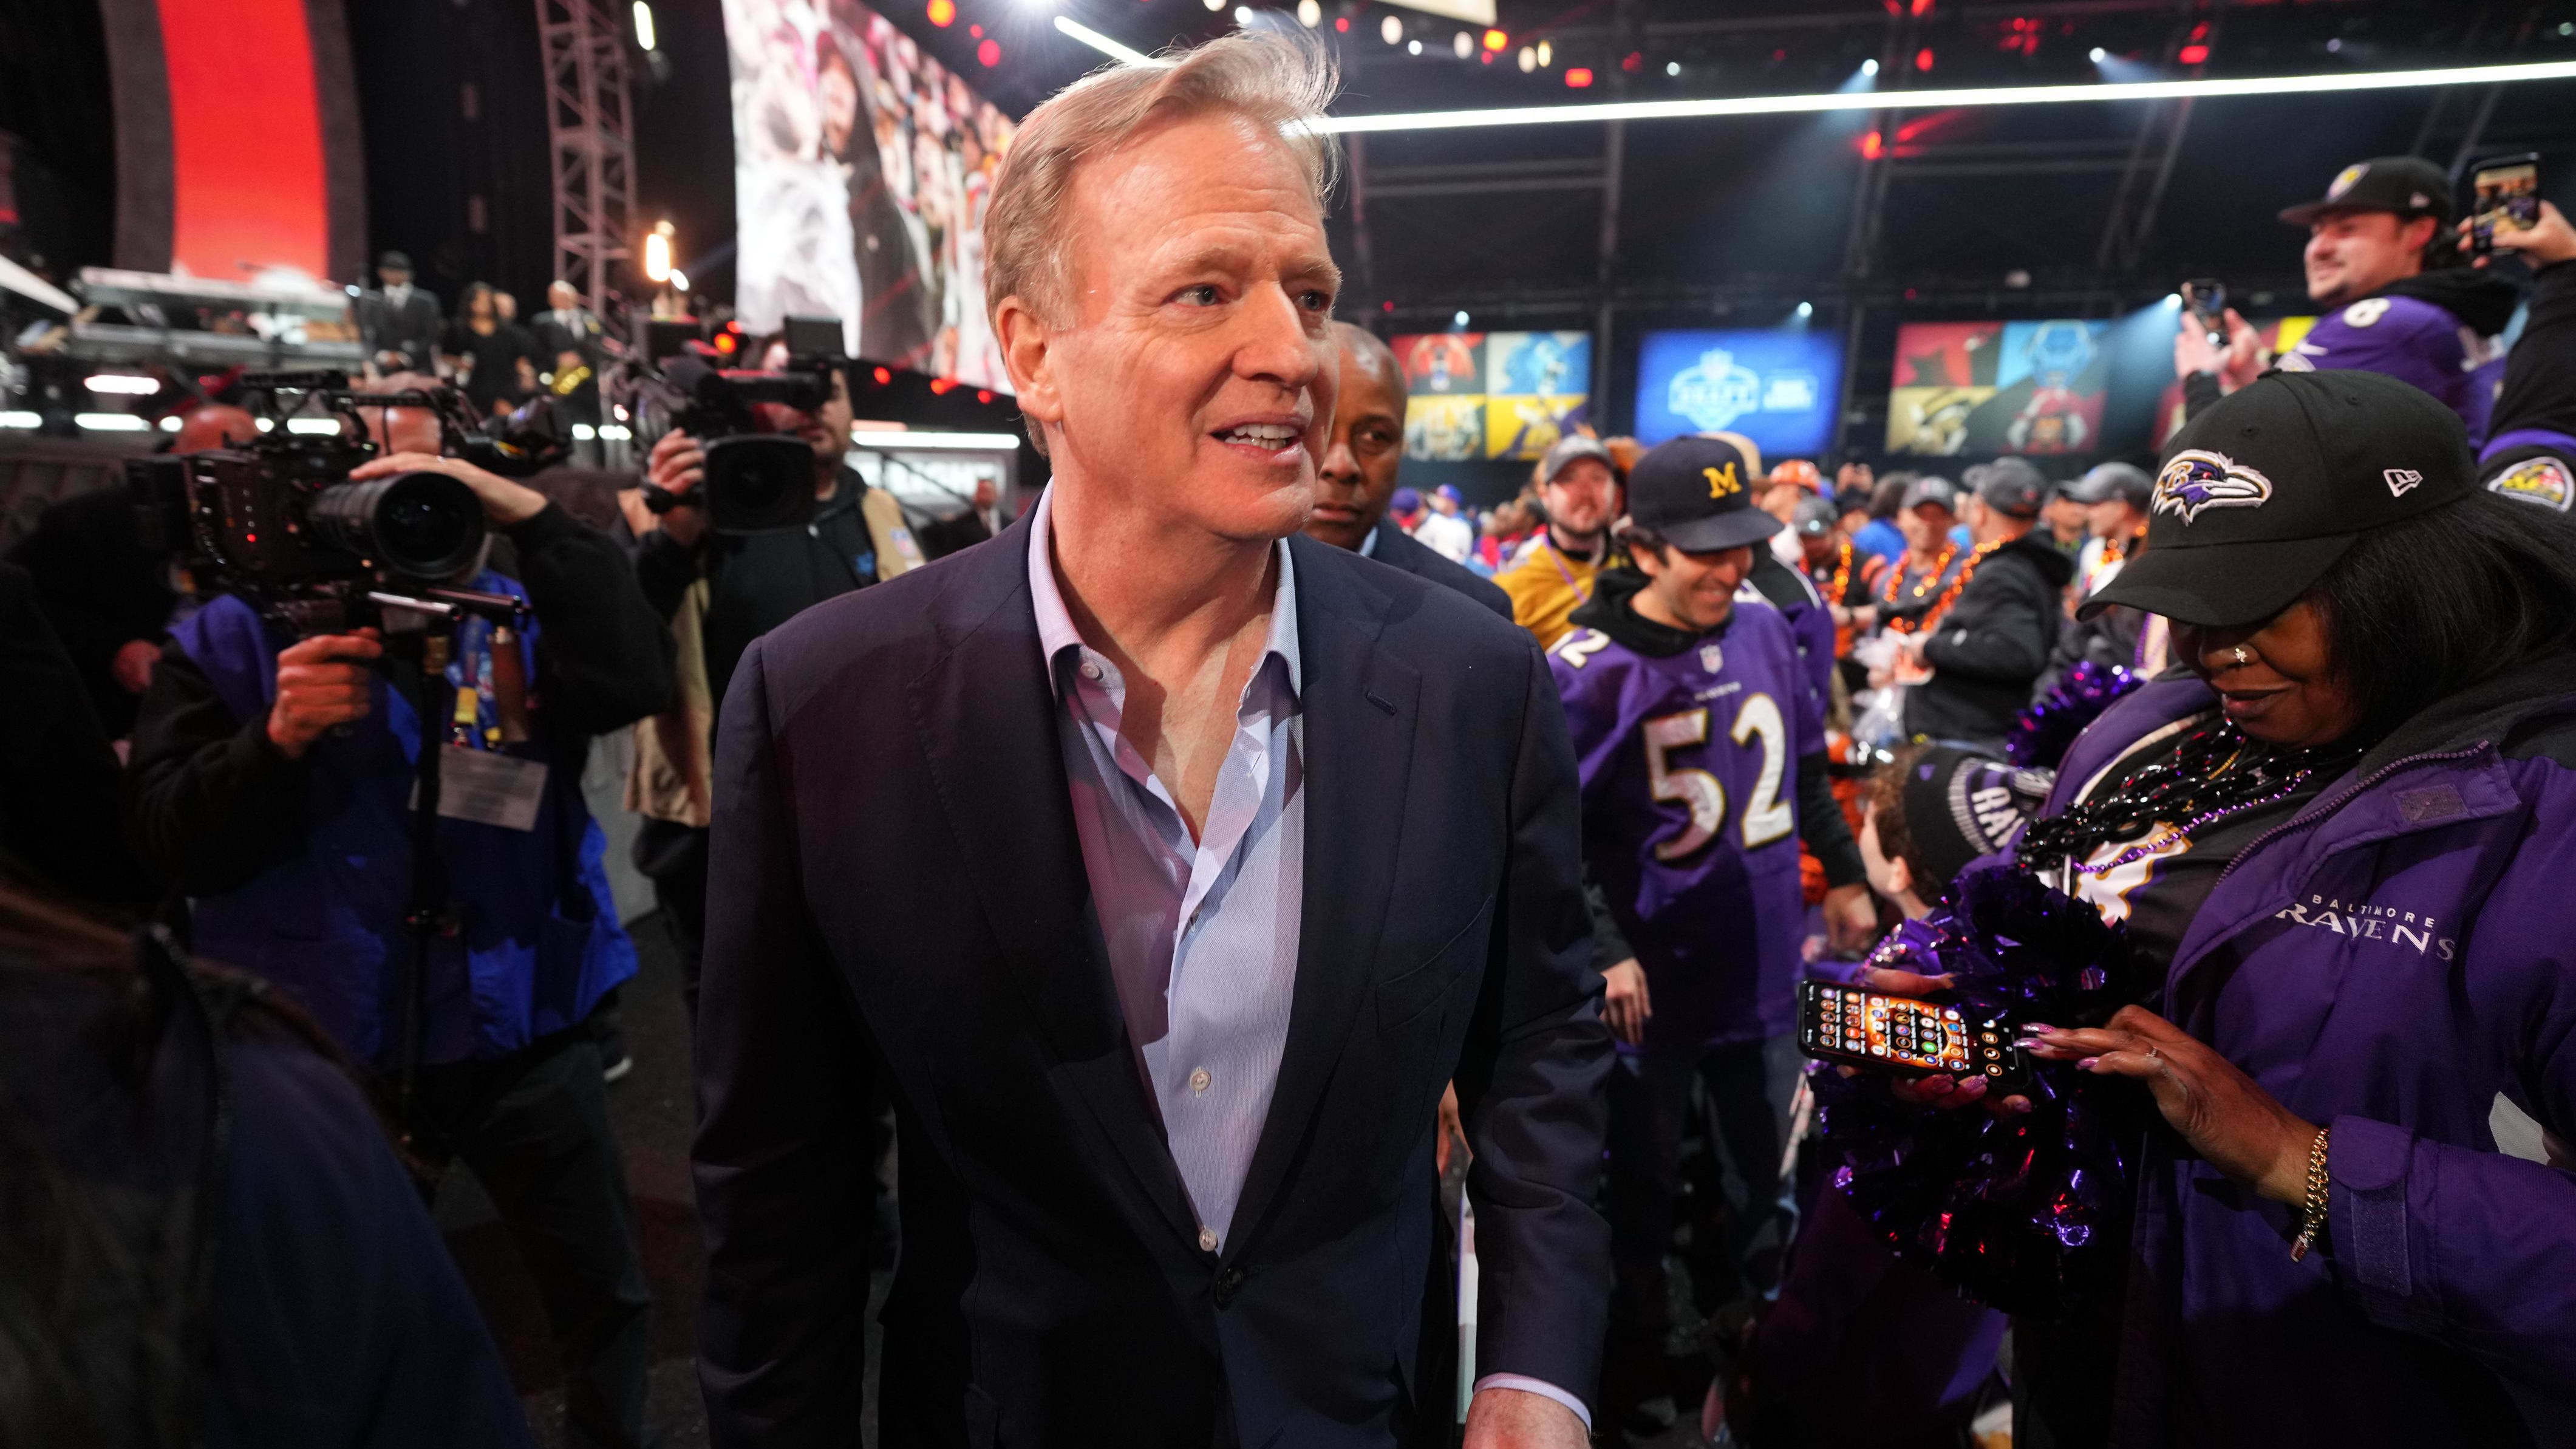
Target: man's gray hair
{"points": [[1274, 79]]}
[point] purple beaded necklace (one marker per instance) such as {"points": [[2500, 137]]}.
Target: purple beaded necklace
{"points": [[2214, 774]]}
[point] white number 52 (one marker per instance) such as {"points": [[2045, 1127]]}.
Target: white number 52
{"points": [[1768, 817]]}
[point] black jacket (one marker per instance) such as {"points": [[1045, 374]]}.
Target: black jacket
{"points": [[1397, 549], [411, 329], [101, 588], [210, 797], [1989, 650], [758, 581], [59, 827], [896, 860]]}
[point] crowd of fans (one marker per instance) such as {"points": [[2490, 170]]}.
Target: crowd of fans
{"points": [[1793, 703]]}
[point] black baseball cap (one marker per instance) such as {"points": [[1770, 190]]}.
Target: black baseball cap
{"points": [[2260, 494], [1696, 493], [2407, 185], [394, 262]]}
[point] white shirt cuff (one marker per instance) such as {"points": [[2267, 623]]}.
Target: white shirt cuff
{"points": [[1539, 1387]]}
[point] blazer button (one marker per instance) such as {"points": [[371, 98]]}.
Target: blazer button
{"points": [[1228, 1283], [1207, 1240]]}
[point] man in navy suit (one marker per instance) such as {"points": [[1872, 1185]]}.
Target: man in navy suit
{"points": [[1356, 479], [1171, 863]]}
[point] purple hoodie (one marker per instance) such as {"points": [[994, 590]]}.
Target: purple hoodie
{"points": [[2386, 962]]}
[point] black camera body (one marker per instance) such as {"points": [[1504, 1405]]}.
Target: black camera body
{"points": [[278, 521], [755, 481]]}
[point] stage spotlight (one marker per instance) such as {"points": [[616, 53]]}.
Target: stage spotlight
{"points": [[643, 25], [1546, 55], [1390, 30], [679, 280], [1216, 4], [943, 13], [1870, 66], [1463, 46], [2097, 54], [1243, 15], [1529, 60], [1309, 14], [1672, 67], [1413, 47], [1458, 320], [1806, 310]]}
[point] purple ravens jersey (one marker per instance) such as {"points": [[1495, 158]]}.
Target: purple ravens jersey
{"points": [[1690, 821], [2414, 341]]}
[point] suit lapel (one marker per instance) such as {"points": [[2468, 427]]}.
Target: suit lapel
{"points": [[985, 716], [1359, 705]]}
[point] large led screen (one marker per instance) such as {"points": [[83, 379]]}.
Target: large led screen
{"points": [[861, 171], [1492, 394], [1998, 387], [1779, 388]]}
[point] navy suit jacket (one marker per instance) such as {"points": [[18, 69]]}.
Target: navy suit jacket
{"points": [[896, 873], [1399, 549]]}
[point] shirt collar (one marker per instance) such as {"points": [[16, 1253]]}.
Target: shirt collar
{"points": [[1056, 632], [1368, 540]]}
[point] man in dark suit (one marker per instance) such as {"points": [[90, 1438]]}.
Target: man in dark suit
{"points": [[399, 324], [1170, 864], [1357, 476]]}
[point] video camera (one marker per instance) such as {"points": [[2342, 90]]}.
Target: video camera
{"points": [[755, 481], [278, 521]]}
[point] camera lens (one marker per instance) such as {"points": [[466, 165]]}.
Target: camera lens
{"points": [[758, 482], [425, 525]]}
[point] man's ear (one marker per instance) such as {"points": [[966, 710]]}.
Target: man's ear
{"points": [[2408, 238], [1900, 875], [1028, 352]]}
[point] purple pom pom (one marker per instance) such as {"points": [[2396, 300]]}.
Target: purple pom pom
{"points": [[2019, 1213], [2046, 730]]}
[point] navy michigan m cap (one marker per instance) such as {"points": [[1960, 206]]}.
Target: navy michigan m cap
{"points": [[1696, 493], [2261, 493]]}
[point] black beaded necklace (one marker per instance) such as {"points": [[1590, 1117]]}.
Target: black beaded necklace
{"points": [[2215, 773]]}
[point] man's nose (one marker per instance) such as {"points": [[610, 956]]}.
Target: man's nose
{"points": [[1340, 465], [1275, 343]]}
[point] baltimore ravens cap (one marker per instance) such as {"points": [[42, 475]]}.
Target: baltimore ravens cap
{"points": [[1696, 493], [2261, 493], [2407, 185]]}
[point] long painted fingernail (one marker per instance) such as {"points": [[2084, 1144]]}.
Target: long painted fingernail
{"points": [[2020, 1106], [2086, 1065], [2028, 1044], [2036, 1028], [1976, 1087]]}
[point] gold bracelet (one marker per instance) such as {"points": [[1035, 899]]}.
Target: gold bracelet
{"points": [[2312, 1213]]}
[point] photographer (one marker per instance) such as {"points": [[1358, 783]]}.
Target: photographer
{"points": [[275, 786], [720, 591], [2379, 256]]}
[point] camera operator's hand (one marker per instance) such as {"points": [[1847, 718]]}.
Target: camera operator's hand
{"points": [[315, 692], [2545, 243], [678, 466], [505, 503]]}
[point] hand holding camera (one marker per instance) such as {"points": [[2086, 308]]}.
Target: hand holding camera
{"points": [[678, 466], [316, 692], [504, 503]]}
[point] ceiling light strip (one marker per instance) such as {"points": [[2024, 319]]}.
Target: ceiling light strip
{"points": [[2286, 85], [1103, 43], [1904, 100]]}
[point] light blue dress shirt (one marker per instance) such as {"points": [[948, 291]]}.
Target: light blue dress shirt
{"points": [[1202, 934]]}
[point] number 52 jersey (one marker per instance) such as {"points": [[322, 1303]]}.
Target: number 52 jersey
{"points": [[1690, 823]]}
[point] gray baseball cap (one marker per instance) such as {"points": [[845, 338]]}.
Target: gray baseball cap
{"points": [[1567, 449], [1933, 490]]}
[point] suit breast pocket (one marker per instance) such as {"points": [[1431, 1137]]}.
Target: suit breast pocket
{"points": [[1415, 990]]}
